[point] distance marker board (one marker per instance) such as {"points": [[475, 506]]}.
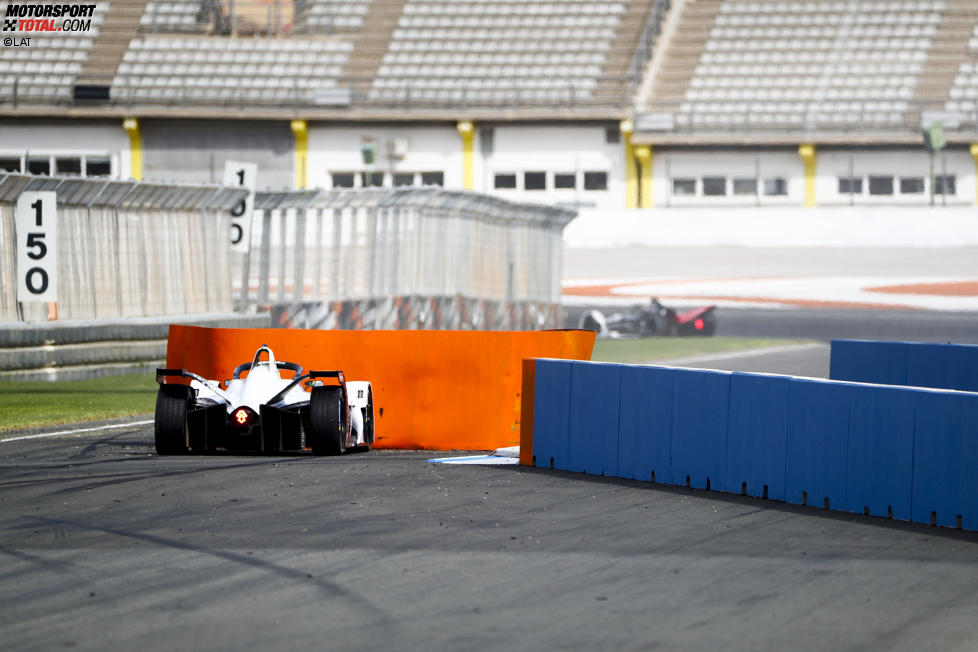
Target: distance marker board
{"points": [[35, 217]]}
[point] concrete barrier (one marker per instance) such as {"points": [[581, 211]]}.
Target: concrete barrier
{"points": [[83, 349], [902, 452], [439, 390], [944, 366]]}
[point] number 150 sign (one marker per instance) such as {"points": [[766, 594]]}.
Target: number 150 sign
{"points": [[37, 247]]}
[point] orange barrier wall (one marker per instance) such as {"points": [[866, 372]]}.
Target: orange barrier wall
{"points": [[439, 390]]}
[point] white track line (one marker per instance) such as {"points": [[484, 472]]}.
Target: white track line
{"points": [[63, 433], [738, 354]]}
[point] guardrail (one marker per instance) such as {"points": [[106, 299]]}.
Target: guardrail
{"points": [[90, 349]]}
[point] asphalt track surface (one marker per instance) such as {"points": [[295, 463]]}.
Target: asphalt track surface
{"points": [[104, 545]]}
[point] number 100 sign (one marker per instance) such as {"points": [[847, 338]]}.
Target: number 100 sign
{"points": [[37, 247]]}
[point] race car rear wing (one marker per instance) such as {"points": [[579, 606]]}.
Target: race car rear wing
{"points": [[163, 374], [328, 374]]}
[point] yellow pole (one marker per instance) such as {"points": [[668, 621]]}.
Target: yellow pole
{"points": [[807, 153], [974, 155], [301, 132], [467, 131], [131, 125], [631, 176], [644, 155]]}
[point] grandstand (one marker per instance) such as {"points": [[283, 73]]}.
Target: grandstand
{"points": [[589, 103]]}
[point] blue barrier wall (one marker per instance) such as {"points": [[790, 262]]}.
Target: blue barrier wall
{"points": [[943, 366], [756, 436], [904, 452]]}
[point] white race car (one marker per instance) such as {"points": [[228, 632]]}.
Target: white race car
{"points": [[258, 410]]}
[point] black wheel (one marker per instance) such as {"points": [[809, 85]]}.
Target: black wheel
{"points": [[327, 421], [171, 432], [589, 323], [709, 324], [646, 326]]}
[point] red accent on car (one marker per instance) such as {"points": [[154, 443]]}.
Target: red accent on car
{"points": [[241, 416], [698, 324]]}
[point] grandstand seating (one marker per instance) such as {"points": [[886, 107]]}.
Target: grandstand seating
{"points": [[792, 65], [330, 16], [788, 65], [169, 69], [963, 96], [481, 51], [47, 69]]}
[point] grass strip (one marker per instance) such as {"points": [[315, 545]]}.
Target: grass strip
{"points": [[34, 404]]}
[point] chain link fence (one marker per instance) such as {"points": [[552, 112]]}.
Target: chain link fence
{"points": [[126, 249], [403, 258]]}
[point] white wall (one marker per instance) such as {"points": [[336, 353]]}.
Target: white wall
{"points": [[830, 165], [430, 149], [516, 149], [560, 149], [699, 163], [897, 163], [862, 226], [68, 138]]}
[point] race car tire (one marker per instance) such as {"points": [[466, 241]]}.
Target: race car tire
{"points": [[647, 327], [171, 432], [327, 422], [709, 324]]}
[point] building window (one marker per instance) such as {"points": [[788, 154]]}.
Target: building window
{"points": [[403, 179], [39, 165], [881, 185], [714, 186], [684, 186], [612, 135], [68, 166], [595, 180], [98, 166], [775, 186], [565, 180], [944, 184], [850, 185], [342, 179], [432, 178], [745, 186], [912, 185], [10, 163], [505, 180], [371, 179], [534, 180]]}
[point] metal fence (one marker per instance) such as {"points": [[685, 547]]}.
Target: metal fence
{"points": [[371, 258], [126, 249], [403, 258]]}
